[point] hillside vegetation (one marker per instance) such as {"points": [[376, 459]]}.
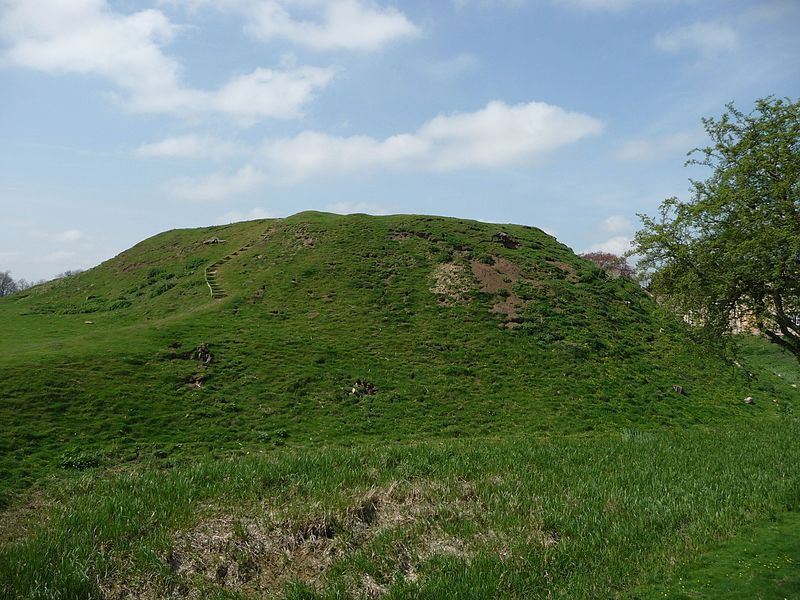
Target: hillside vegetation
{"points": [[395, 405]]}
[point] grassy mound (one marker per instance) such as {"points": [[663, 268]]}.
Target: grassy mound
{"points": [[330, 329]]}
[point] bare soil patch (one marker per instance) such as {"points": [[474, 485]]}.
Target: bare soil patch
{"points": [[303, 238], [500, 277], [509, 306]]}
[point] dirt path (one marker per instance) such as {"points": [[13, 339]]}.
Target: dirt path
{"points": [[217, 291]]}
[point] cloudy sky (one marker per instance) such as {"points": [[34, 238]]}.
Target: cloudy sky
{"points": [[120, 118]]}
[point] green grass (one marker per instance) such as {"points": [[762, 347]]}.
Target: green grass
{"points": [[303, 320], [761, 563], [534, 454], [775, 366], [572, 517]]}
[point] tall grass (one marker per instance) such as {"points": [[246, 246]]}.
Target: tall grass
{"points": [[573, 517]]}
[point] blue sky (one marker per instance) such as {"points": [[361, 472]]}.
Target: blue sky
{"points": [[121, 119]]}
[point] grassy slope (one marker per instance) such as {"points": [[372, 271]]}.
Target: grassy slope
{"points": [[326, 300]]}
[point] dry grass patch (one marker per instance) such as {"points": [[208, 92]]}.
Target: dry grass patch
{"points": [[22, 519], [257, 556], [451, 282]]}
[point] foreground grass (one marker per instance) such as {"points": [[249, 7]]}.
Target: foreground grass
{"points": [[761, 563], [572, 517]]}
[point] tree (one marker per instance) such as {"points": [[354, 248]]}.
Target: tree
{"points": [[7, 284], [617, 266], [733, 249]]}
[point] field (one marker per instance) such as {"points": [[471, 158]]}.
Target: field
{"points": [[375, 407]]}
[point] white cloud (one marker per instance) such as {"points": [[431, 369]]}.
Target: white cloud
{"points": [[551, 232], [618, 245], [612, 5], [370, 208], [616, 224], [266, 92], [461, 4], [218, 185], [87, 37], [234, 216], [70, 235], [312, 153], [189, 146], [356, 25], [706, 38], [659, 147], [495, 136], [501, 134], [345, 24]]}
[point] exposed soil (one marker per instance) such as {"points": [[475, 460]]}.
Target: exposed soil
{"points": [[500, 277], [509, 306], [452, 283], [507, 240], [303, 238]]}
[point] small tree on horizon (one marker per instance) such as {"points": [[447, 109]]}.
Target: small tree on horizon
{"points": [[7, 284], [612, 263]]}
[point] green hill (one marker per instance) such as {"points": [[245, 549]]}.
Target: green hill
{"points": [[294, 339], [459, 333]]}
